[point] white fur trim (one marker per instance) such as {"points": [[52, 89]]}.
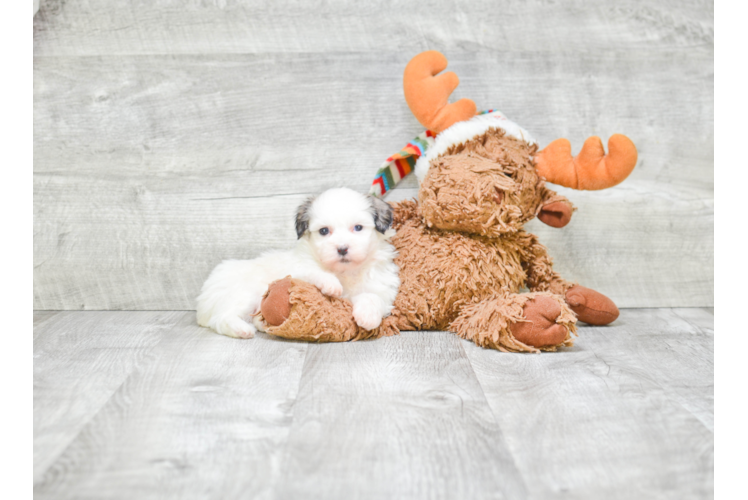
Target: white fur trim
{"points": [[462, 132]]}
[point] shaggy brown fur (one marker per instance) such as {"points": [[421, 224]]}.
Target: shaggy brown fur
{"points": [[318, 318], [489, 322], [444, 273], [464, 258], [465, 185], [465, 253]]}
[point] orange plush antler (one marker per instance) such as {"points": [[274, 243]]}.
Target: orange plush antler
{"points": [[427, 94], [591, 169]]}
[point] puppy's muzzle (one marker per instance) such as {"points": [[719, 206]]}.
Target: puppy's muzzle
{"points": [[343, 251]]}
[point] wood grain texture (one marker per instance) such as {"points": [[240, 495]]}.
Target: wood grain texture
{"points": [[148, 405], [149, 170], [41, 317], [400, 417], [204, 416], [295, 26], [626, 413], [79, 362]]}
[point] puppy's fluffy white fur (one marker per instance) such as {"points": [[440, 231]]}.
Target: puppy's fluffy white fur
{"points": [[342, 249]]}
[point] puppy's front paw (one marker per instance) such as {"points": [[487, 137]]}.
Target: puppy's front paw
{"points": [[329, 285], [367, 314]]}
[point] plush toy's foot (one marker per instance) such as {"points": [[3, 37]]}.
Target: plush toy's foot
{"points": [[510, 322], [590, 306], [276, 306], [540, 328], [295, 309]]}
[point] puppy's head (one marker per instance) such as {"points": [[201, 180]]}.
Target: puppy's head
{"points": [[343, 227]]}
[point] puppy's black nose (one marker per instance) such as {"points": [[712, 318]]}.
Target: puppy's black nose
{"points": [[342, 250]]}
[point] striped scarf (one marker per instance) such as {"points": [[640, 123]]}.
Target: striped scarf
{"points": [[397, 166]]}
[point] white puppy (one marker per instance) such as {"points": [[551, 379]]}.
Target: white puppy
{"points": [[342, 249]]}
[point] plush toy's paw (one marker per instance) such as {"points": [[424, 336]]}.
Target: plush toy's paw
{"points": [[540, 328], [329, 285], [367, 313], [276, 305], [236, 327], [590, 306]]}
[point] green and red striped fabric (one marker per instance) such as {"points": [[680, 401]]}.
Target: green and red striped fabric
{"points": [[397, 166]]}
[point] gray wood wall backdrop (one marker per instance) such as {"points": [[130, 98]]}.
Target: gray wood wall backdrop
{"points": [[171, 135]]}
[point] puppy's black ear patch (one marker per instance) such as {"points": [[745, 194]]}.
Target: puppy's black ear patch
{"points": [[302, 217], [381, 211]]}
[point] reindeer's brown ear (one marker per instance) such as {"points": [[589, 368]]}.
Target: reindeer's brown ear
{"points": [[556, 211], [556, 214]]}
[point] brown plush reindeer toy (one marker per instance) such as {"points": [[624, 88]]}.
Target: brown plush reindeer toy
{"points": [[463, 254]]}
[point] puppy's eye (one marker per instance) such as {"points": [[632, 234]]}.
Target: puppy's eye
{"points": [[324, 231], [358, 227]]}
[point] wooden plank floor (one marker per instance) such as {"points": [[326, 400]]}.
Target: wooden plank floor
{"points": [[149, 405]]}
